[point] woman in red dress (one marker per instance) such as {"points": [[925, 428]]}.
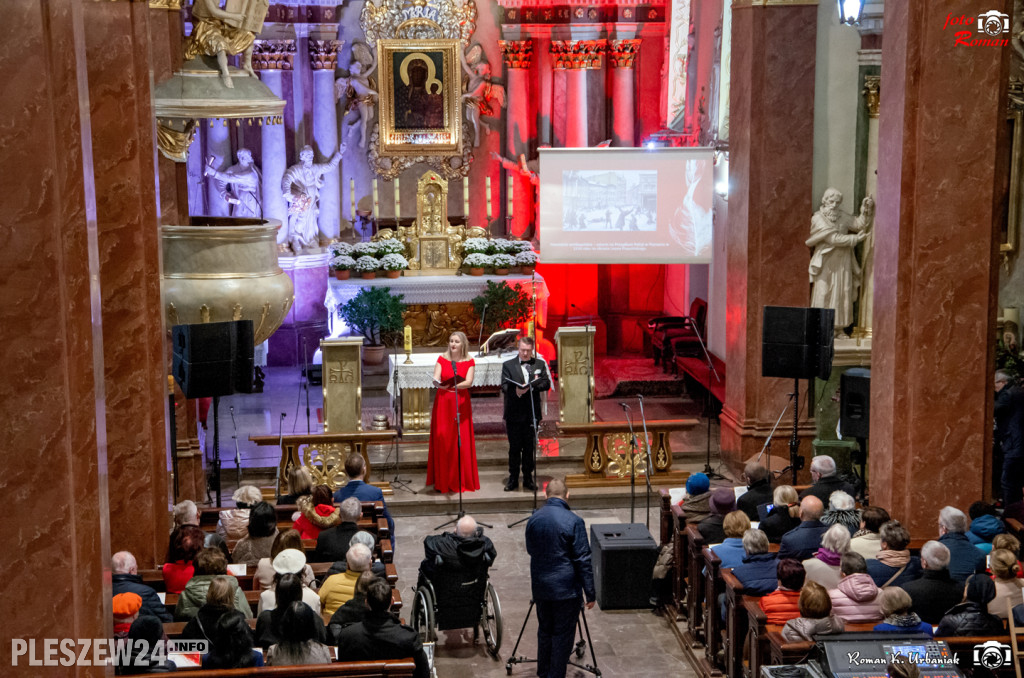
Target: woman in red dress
{"points": [[443, 458]]}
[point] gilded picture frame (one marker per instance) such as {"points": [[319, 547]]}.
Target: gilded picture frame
{"points": [[420, 91]]}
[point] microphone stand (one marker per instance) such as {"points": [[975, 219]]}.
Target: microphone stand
{"points": [[238, 455], [216, 447], [708, 471], [632, 463], [396, 409], [480, 335], [647, 476], [768, 440], [280, 444], [305, 371], [458, 453], [536, 445]]}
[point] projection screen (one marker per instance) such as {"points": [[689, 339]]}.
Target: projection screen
{"points": [[626, 205]]}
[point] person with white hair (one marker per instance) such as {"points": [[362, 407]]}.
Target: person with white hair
{"points": [[964, 557], [934, 592], [823, 475], [823, 566], [125, 578], [332, 543], [234, 523], [842, 510], [339, 588], [369, 541], [185, 513], [465, 548]]}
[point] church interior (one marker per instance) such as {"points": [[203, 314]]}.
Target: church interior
{"points": [[733, 233]]}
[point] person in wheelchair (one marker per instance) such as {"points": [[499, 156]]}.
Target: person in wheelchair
{"points": [[465, 550]]}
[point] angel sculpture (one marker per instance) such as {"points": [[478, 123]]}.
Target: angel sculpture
{"points": [[357, 89], [482, 97]]}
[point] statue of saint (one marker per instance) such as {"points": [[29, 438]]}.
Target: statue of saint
{"points": [[245, 195], [834, 271], [301, 188], [867, 265], [219, 32]]}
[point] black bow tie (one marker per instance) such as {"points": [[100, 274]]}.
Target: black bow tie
{"points": [[525, 362]]}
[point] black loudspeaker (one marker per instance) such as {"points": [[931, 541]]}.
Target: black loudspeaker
{"points": [[213, 359], [855, 402], [796, 343], [624, 556]]}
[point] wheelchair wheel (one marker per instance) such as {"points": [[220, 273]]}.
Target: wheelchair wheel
{"points": [[491, 621], [423, 615]]}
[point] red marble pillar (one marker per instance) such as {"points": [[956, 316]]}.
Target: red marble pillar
{"points": [[518, 57], [577, 57], [770, 162], [622, 55], [935, 264], [55, 464]]}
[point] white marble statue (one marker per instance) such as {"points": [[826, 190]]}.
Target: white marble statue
{"points": [[865, 309], [301, 188], [245, 194], [834, 271], [358, 88], [482, 97]]}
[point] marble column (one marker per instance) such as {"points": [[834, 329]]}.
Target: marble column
{"points": [[218, 146], [770, 172], [518, 57], [545, 85], [272, 58], [622, 55], [559, 106], [323, 57], [935, 265], [577, 57]]}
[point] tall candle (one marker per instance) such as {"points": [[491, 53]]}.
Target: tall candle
{"points": [[465, 198], [509, 196], [398, 193], [488, 200], [352, 193], [376, 199], [1012, 315]]}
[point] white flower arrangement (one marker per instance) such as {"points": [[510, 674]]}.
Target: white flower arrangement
{"points": [[342, 262], [389, 246], [365, 249], [502, 261], [520, 246], [367, 264], [476, 259], [476, 245], [526, 258], [393, 262], [340, 249], [501, 246]]}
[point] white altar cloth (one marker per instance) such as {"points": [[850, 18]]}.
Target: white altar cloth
{"points": [[421, 373]]}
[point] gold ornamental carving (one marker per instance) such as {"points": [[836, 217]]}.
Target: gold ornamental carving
{"points": [[173, 143], [173, 5], [274, 55], [871, 91], [621, 457], [578, 54], [622, 53], [517, 53], [323, 54], [326, 463], [418, 20]]}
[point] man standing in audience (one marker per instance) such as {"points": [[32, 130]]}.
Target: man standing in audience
{"points": [[934, 591], [332, 543], [355, 468], [759, 490], [964, 557], [1009, 413], [803, 541], [125, 579], [823, 474], [561, 574], [380, 635], [521, 417]]}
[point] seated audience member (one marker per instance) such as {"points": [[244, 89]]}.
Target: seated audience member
{"points": [[263, 578], [816, 616], [759, 490], [1005, 571], [803, 541], [355, 468], [289, 589], [964, 558], [339, 588], [934, 592], [842, 510], [465, 548], [210, 564], [262, 530], [300, 484], [366, 539], [231, 645], [317, 512], [1010, 543], [380, 635], [784, 516], [143, 658], [823, 475], [125, 579], [901, 667], [696, 503], [757, 572], [782, 604], [867, 541], [723, 501], [971, 617], [353, 611], [823, 566], [898, 615], [289, 561], [220, 598], [126, 610], [731, 551], [332, 543], [185, 513], [856, 598], [985, 525], [299, 642], [893, 565], [186, 542], [233, 522]]}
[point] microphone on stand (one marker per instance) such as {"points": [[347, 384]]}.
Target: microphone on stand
{"points": [[624, 406]]}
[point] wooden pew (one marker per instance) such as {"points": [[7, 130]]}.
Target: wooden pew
{"points": [[713, 585], [388, 668], [253, 598], [695, 595], [735, 624], [209, 515], [756, 640]]}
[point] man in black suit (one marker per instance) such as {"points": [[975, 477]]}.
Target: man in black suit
{"points": [[520, 417], [332, 543]]}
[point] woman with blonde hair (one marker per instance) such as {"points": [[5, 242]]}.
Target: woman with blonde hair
{"points": [[784, 515], [447, 465], [1005, 569]]}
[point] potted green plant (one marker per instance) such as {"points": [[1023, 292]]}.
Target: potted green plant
{"points": [[502, 263], [375, 313], [342, 265], [365, 249], [506, 306], [476, 262], [394, 264], [500, 246], [367, 266]]}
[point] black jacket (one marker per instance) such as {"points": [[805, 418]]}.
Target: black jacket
{"points": [[757, 494], [332, 543], [777, 523], [200, 627], [518, 409], [933, 594], [352, 612], [151, 605], [802, 541], [380, 636], [560, 565], [970, 619], [824, 488], [711, 528], [268, 628], [464, 553], [1009, 413]]}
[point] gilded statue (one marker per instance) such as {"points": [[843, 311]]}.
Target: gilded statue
{"points": [[219, 32], [483, 98], [246, 193], [834, 272], [439, 326], [300, 186], [358, 89]]}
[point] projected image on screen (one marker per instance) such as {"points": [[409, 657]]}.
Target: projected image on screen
{"points": [[690, 225], [616, 200]]}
